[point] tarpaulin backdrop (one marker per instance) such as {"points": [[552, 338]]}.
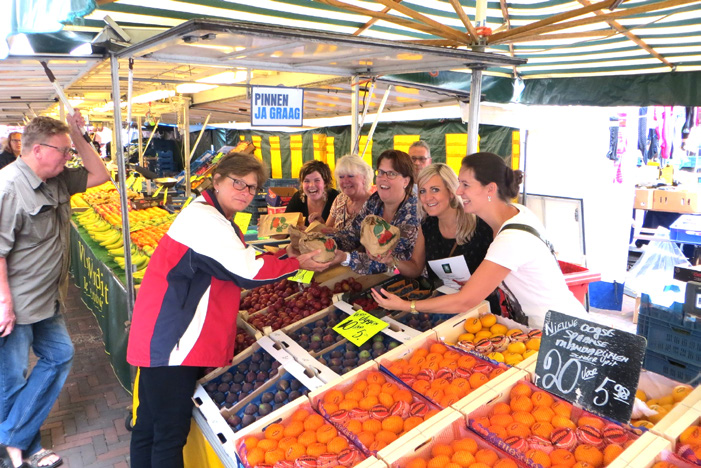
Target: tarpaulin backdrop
{"points": [[286, 152]]}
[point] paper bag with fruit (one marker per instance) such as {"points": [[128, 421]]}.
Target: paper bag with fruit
{"points": [[317, 241], [278, 224], [378, 236]]}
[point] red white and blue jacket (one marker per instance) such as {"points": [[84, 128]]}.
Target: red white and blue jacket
{"points": [[186, 309]]}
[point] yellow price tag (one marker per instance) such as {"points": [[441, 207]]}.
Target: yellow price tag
{"points": [[360, 327], [303, 276], [158, 190], [242, 219]]}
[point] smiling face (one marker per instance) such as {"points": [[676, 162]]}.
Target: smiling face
{"points": [[434, 196], [353, 185], [391, 191], [473, 193], [313, 186], [231, 199]]}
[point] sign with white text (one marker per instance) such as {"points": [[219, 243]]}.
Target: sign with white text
{"points": [[591, 365], [276, 106]]}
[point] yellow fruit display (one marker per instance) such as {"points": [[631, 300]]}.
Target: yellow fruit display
{"points": [[487, 336], [663, 404], [472, 325]]}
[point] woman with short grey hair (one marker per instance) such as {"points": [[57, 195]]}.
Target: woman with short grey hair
{"points": [[354, 179]]}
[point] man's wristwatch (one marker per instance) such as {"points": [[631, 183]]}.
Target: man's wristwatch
{"points": [[412, 307], [346, 262]]}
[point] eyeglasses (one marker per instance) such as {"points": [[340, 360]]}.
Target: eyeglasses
{"points": [[16, 140], [389, 174], [419, 159], [241, 185], [63, 151]]}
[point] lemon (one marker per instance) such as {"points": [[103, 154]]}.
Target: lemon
{"points": [[488, 320], [496, 356], [517, 347]]}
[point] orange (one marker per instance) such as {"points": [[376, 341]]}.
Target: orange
{"points": [[518, 429], [274, 456], [385, 399], [452, 465], [501, 419], [372, 425], [411, 422], [472, 325], [523, 417], [366, 438], [403, 395], [467, 362], [307, 438], [313, 422], [386, 437], [300, 415], [482, 334], [389, 388], [293, 429], [479, 465], [691, 435], [438, 462], [486, 456], [590, 421], [393, 423], [360, 385], [275, 431], [434, 357], [356, 395], [439, 348], [541, 398], [255, 456], [421, 386], [416, 463], [611, 452], [543, 429], [487, 320], [368, 402], [561, 421], [286, 442], [375, 377], [337, 444], [520, 389], [330, 408], [316, 449], [373, 389], [498, 329], [463, 458], [295, 451], [452, 355], [441, 449], [434, 394], [377, 446], [521, 403], [454, 390], [505, 463], [516, 347], [664, 464], [680, 392], [333, 396], [589, 454], [582, 465], [354, 426], [543, 413], [483, 421], [448, 400], [440, 383], [431, 413], [501, 408], [562, 408], [467, 444], [250, 442], [396, 369], [417, 361], [539, 457], [348, 405], [562, 457], [433, 365], [268, 444], [325, 433], [477, 380], [469, 337], [496, 371], [533, 344], [499, 431]]}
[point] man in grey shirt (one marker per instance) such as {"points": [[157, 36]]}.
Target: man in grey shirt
{"points": [[35, 212]]}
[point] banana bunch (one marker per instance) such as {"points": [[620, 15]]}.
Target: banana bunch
{"points": [[137, 259], [77, 201], [97, 228]]}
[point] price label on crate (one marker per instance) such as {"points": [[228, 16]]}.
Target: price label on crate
{"points": [[242, 219], [302, 276], [360, 327], [591, 365]]}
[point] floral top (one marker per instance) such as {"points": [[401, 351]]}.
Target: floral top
{"points": [[339, 211], [406, 219]]}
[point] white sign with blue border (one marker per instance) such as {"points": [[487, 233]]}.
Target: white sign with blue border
{"points": [[276, 106]]}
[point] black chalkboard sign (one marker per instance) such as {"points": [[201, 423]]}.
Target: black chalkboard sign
{"points": [[590, 365]]}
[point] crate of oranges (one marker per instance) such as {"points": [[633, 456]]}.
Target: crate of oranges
{"points": [[443, 374], [449, 444], [684, 431], [542, 429], [658, 453], [498, 338], [372, 409], [296, 436], [661, 395]]}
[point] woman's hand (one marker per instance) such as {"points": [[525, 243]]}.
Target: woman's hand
{"points": [[387, 258], [315, 217], [389, 301], [306, 262], [291, 251]]}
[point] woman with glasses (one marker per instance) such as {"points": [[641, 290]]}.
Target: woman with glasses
{"points": [[12, 149], [519, 261], [315, 197], [184, 318], [394, 202], [354, 178]]}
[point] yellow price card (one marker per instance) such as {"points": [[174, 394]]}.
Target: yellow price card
{"points": [[302, 276], [360, 327], [242, 220]]}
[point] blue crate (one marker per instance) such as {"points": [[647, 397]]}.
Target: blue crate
{"points": [[671, 340], [676, 370], [673, 315], [281, 183], [686, 229]]}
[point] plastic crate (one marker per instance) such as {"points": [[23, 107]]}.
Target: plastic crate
{"points": [[578, 279], [687, 229], [672, 368], [671, 339]]}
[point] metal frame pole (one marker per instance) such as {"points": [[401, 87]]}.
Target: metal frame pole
{"points": [[474, 111], [186, 145], [122, 172], [355, 91], [140, 140], [377, 119]]}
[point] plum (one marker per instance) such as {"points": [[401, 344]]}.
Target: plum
{"points": [[251, 377], [250, 409], [246, 388], [280, 397], [219, 397], [267, 397], [294, 394], [211, 387], [263, 376], [283, 385], [227, 377], [264, 409], [223, 387], [238, 378], [295, 385], [257, 385], [247, 420], [232, 398]]}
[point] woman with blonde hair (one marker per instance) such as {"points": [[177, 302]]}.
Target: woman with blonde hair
{"points": [[354, 179]]}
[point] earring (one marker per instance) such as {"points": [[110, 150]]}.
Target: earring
{"points": [[216, 190], [489, 198]]}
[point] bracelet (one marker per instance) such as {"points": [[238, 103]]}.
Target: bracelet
{"points": [[412, 307]]}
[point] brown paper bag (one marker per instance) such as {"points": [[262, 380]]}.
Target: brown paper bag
{"points": [[277, 224], [317, 241], [378, 236]]}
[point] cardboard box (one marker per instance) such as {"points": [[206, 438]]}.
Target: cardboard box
{"points": [[643, 199], [687, 273], [279, 196], [273, 209], [676, 201]]}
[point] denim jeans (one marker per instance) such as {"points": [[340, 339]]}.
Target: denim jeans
{"points": [[25, 402]]}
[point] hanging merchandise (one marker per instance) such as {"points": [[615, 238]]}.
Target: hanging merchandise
{"points": [[613, 139], [642, 133]]}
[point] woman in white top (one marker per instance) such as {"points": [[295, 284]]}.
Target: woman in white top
{"points": [[518, 261]]}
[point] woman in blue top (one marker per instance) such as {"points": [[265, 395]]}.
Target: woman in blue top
{"points": [[394, 202]]}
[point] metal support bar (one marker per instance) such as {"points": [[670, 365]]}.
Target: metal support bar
{"points": [[368, 98], [186, 144], [474, 111], [197, 142], [355, 87], [377, 119], [122, 172], [140, 140]]}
